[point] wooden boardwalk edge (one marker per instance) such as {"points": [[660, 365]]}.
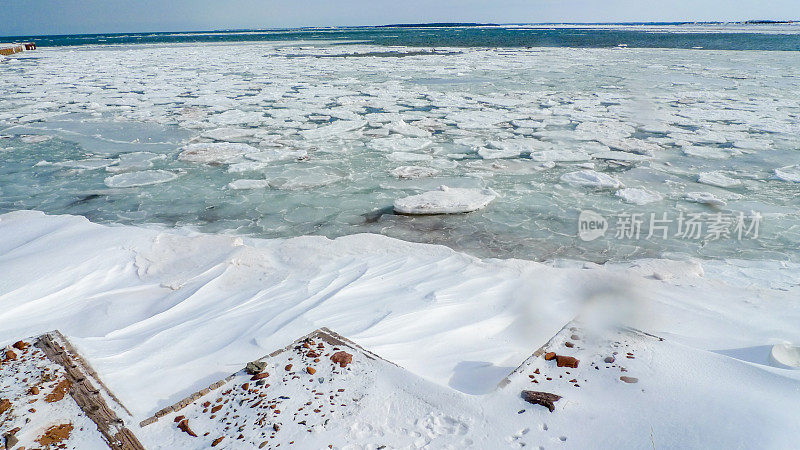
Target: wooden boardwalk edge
{"points": [[90, 400]]}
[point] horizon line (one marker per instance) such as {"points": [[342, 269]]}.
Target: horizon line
{"points": [[434, 25]]}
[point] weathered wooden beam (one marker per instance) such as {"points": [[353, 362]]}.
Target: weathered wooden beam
{"points": [[88, 398]]}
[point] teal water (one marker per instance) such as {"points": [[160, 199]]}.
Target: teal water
{"points": [[78, 123], [712, 36]]}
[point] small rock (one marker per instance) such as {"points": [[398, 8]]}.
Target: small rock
{"points": [[311, 370], [342, 358], [545, 399], [575, 337], [566, 361], [629, 379], [5, 405], [217, 441], [20, 345], [178, 418], [33, 390], [609, 359], [259, 376], [288, 367], [10, 355], [184, 426], [569, 344], [549, 356], [246, 386], [255, 367]]}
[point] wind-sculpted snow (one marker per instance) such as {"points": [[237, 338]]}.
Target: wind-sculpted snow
{"points": [[161, 314], [279, 140]]}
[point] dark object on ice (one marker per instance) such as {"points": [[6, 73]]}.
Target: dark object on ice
{"points": [[566, 361], [609, 359], [550, 355], [629, 379], [545, 399], [255, 367], [11, 440]]}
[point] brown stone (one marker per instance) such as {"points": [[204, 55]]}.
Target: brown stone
{"points": [[20, 345], [629, 379], [342, 358], [566, 361], [545, 399], [184, 426], [55, 434], [609, 359], [259, 376], [5, 405], [288, 367], [216, 408], [311, 370], [178, 418], [246, 386], [549, 356], [59, 391], [569, 344], [10, 355], [217, 441], [33, 390]]}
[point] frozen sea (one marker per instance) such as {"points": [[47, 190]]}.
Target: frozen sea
{"points": [[282, 134]]}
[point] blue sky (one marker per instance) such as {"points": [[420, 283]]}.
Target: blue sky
{"points": [[29, 17]]}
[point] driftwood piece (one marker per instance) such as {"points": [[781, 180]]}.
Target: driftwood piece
{"points": [[545, 399]]}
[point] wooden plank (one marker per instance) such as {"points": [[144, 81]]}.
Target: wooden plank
{"points": [[88, 398]]}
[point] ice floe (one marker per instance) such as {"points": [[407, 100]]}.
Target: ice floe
{"points": [[591, 178], [401, 127], [215, 153], [638, 196], [445, 200], [134, 161], [788, 173], [560, 155], [411, 172], [620, 156], [335, 129], [35, 138], [717, 178], [87, 164], [409, 157], [705, 198], [402, 144], [248, 184], [143, 178]]}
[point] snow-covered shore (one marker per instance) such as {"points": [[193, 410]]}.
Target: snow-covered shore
{"points": [[160, 313]]}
